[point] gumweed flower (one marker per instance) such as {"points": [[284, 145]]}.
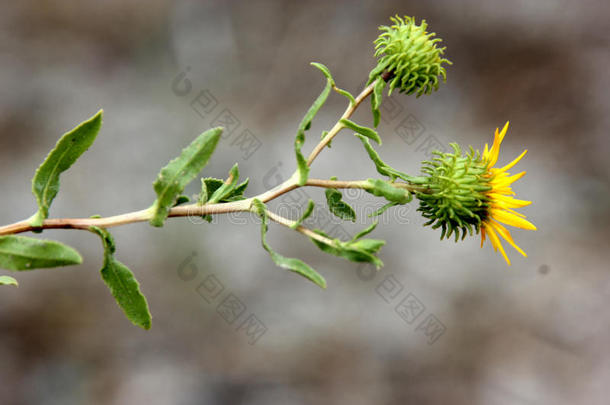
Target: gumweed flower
{"points": [[467, 194], [409, 56]]}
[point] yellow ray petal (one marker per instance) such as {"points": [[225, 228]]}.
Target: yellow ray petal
{"points": [[509, 201], [496, 242], [514, 162], [511, 219], [506, 235]]}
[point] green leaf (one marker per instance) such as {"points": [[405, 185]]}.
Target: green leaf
{"points": [[295, 265], [122, 284], [376, 100], [182, 199], [391, 193], [227, 187], [68, 149], [179, 172], [306, 214], [338, 207], [365, 231], [383, 209], [368, 132], [20, 253], [326, 73], [305, 124], [6, 280], [363, 250], [382, 167]]}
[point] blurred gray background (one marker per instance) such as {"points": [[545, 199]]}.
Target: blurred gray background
{"points": [[440, 323]]}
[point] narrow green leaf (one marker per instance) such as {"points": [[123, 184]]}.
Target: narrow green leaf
{"points": [[368, 132], [384, 189], [306, 214], [326, 73], [376, 100], [6, 280], [306, 124], [295, 265], [20, 253], [227, 187], [382, 167], [363, 250], [122, 284], [238, 192], [45, 184], [179, 172], [365, 231], [338, 207], [383, 209]]}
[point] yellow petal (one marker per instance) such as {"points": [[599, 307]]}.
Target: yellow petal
{"points": [[496, 242], [514, 162], [511, 219], [506, 235]]}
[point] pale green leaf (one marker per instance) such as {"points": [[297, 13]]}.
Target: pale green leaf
{"points": [[6, 280], [368, 132], [19, 253], [174, 177], [226, 188], [365, 231], [306, 214], [305, 125], [122, 284], [383, 209], [381, 188], [45, 184], [382, 167], [295, 265], [363, 250], [376, 100], [326, 73]]}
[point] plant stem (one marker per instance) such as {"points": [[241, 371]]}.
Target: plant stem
{"points": [[301, 229], [191, 210], [222, 208], [339, 126]]}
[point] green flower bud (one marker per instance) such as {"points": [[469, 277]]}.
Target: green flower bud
{"points": [[456, 198], [409, 57]]}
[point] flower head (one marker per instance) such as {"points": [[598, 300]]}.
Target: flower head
{"points": [[409, 54], [468, 193]]}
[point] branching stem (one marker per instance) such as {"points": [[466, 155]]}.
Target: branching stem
{"points": [[196, 210]]}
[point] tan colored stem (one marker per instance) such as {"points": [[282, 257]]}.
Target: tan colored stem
{"points": [[221, 208], [339, 126]]}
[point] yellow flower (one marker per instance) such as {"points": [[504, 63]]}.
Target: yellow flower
{"points": [[501, 203]]}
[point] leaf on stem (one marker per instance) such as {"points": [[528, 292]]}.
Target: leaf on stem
{"points": [[381, 188], [6, 280], [21, 253], [365, 131], [227, 188], [292, 264], [306, 214], [122, 284], [326, 73], [338, 207], [362, 250], [174, 177], [305, 124], [376, 100], [382, 167], [45, 184]]}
